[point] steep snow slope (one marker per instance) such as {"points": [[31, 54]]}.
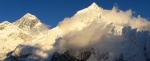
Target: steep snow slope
{"points": [[92, 34]]}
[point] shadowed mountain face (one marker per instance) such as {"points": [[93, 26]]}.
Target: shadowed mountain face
{"points": [[92, 34]]}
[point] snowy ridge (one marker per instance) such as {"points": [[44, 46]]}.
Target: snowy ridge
{"points": [[92, 34]]}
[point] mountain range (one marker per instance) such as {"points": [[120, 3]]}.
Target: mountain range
{"points": [[92, 34]]}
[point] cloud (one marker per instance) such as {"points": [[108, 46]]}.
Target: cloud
{"points": [[120, 17]]}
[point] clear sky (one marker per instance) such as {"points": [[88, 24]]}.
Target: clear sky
{"points": [[51, 12]]}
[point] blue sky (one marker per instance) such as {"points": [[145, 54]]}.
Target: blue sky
{"points": [[51, 12]]}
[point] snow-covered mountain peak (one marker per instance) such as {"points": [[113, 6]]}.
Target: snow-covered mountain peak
{"points": [[27, 19], [5, 23], [84, 18], [29, 16], [30, 23], [94, 6]]}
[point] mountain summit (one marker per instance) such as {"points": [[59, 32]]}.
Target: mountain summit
{"points": [[29, 16], [28, 20], [94, 6], [31, 24]]}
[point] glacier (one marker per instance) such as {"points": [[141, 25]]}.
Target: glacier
{"points": [[92, 34]]}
